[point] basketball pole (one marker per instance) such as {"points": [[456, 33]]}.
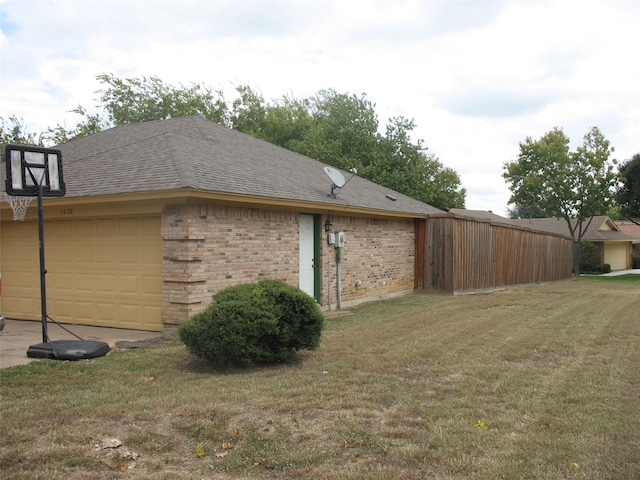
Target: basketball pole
{"points": [[43, 271]]}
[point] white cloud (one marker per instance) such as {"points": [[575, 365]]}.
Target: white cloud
{"points": [[478, 77]]}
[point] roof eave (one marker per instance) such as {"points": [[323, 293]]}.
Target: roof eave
{"points": [[189, 195]]}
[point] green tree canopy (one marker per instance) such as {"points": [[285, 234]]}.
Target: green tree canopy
{"points": [[629, 191], [575, 186], [14, 130], [338, 129], [88, 126], [134, 100]]}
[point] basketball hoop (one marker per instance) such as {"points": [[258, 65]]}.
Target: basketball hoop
{"points": [[19, 205]]}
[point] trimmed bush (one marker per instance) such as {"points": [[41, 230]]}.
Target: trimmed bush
{"points": [[636, 262], [596, 269], [254, 323]]}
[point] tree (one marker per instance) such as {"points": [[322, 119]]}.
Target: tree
{"points": [[406, 167], [90, 125], [13, 130], [572, 185], [629, 192], [525, 211], [334, 128], [133, 100], [343, 131]]}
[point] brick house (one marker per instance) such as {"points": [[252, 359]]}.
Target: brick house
{"points": [[158, 216]]}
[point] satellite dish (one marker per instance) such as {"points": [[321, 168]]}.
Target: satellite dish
{"points": [[335, 176]]}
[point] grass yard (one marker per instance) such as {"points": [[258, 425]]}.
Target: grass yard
{"points": [[539, 382]]}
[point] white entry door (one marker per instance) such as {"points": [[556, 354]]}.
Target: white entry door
{"points": [[306, 254]]}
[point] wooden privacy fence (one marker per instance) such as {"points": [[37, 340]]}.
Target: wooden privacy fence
{"points": [[466, 255]]}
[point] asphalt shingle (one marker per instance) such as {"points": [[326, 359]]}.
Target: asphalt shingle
{"points": [[194, 153]]}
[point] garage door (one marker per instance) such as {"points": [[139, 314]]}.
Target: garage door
{"points": [[617, 255], [104, 272]]}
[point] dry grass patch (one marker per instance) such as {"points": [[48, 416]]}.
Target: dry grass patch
{"points": [[536, 382]]}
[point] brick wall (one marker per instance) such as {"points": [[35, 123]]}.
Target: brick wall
{"points": [[378, 260], [207, 248]]}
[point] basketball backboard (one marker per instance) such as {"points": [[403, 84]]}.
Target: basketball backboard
{"points": [[29, 167]]}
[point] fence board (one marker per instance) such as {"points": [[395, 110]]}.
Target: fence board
{"points": [[464, 255]]}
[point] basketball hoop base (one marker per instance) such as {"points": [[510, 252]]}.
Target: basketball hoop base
{"points": [[69, 350]]}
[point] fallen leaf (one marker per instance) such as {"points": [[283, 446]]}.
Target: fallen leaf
{"points": [[221, 454], [481, 424], [227, 446], [200, 450]]}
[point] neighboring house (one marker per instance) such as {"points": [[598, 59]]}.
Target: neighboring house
{"points": [[613, 247], [159, 216], [633, 230]]}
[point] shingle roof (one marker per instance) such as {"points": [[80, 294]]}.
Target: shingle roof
{"points": [[193, 153], [479, 215], [595, 231], [629, 228]]}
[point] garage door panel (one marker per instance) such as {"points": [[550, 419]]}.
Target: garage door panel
{"points": [[106, 227], [128, 227], [81, 228], [149, 227], [131, 254], [30, 304], [64, 279], [100, 271], [150, 285], [129, 283]]}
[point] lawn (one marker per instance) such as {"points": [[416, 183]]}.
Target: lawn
{"points": [[535, 382]]}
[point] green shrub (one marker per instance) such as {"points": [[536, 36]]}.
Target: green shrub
{"points": [[636, 262], [251, 323], [596, 269]]}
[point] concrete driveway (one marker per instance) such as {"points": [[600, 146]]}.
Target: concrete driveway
{"points": [[18, 335], [635, 271]]}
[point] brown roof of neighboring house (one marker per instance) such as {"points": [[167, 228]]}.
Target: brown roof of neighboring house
{"points": [[194, 153], [595, 231], [629, 228]]}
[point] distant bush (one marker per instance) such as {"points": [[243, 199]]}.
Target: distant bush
{"points": [[636, 262], [595, 269], [253, 323]]}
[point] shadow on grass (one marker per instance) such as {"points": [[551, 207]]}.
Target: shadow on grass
{"points": [[192, 364]]}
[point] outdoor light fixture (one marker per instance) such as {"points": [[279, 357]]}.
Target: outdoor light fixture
{"points": [[328, 225]]}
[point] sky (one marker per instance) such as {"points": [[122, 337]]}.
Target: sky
{"points": [[477, 76]]}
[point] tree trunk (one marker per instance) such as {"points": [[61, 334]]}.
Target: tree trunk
{"points": [[576, 258]]}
